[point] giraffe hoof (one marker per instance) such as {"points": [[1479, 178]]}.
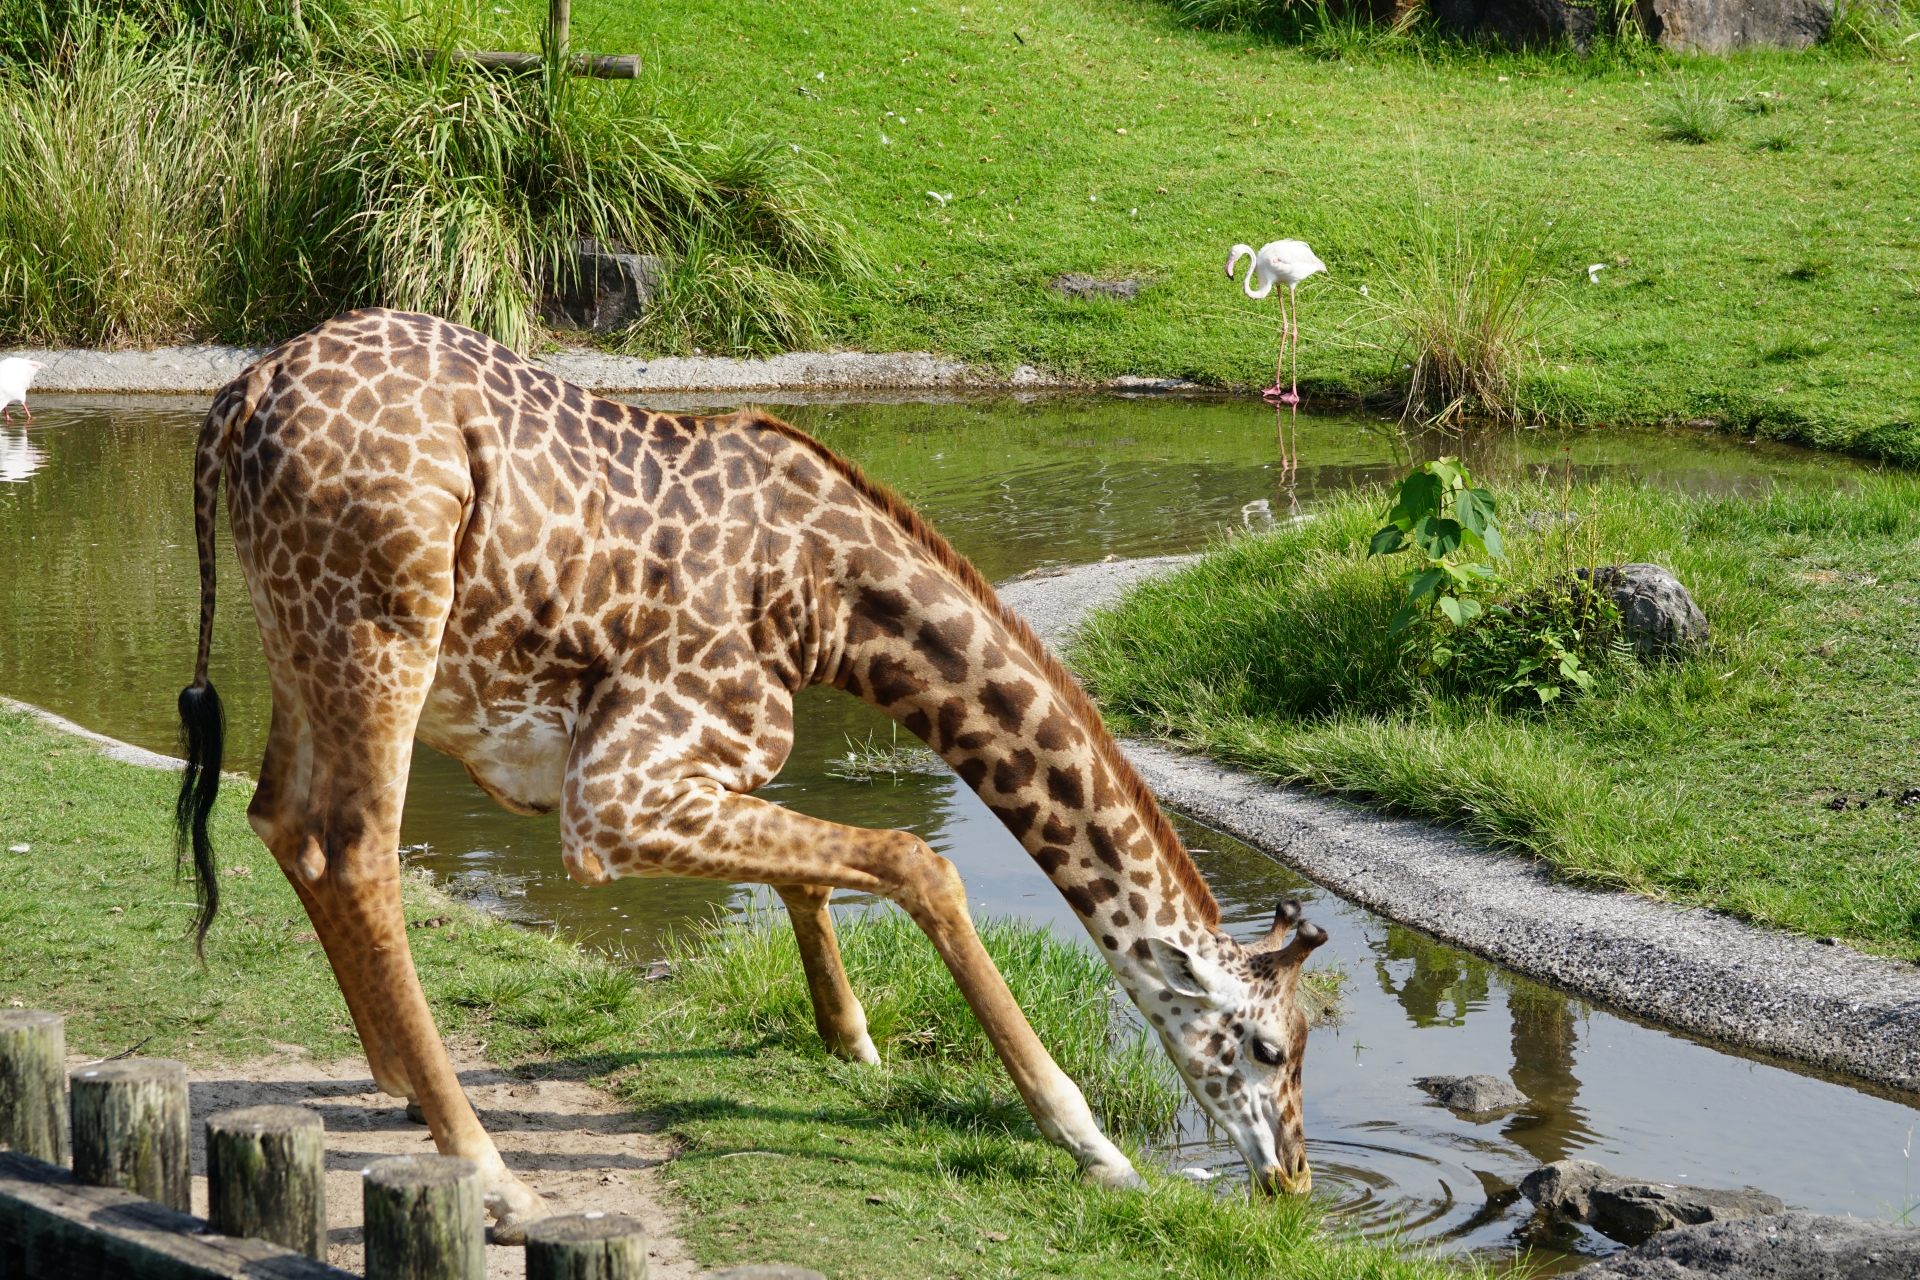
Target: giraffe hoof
{"points": [[513, 1206], [414, 1111], [861, 1050], [1120, 1176]]}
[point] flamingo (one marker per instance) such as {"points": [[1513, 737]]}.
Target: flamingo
{"points": [[1285, 262], [16, 375]]}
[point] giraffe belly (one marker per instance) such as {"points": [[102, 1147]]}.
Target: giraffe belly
{"points": [[516, 755]]}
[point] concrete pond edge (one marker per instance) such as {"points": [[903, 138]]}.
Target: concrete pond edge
{"points": [[1697, 971], [1693, 970], [202, 370]]}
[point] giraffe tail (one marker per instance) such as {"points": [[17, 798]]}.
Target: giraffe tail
{"points": [[203, 725]]}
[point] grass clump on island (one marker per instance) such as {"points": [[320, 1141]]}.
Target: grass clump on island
{"points": [[1771, 775], [926, 1165]]}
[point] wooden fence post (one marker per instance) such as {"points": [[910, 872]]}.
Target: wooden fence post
{"points": [[33, 1084], [558, 20], [424, 1219], [130, 1129], [587, 1246], [267, 1176]]}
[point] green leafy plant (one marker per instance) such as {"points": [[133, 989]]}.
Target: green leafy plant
{"points": [[1692, 115], [1440, 514]]}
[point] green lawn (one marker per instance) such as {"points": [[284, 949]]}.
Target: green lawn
{"points": [[925, 1166], [1769, 290], [1763, 777]]}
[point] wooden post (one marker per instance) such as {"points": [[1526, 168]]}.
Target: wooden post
{"points": [[558, 20], [33, 1084], [130, 1129], [267, 1176], [587, 1246], [424, 1219]]}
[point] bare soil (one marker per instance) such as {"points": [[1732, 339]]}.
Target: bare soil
{"points": [[571, 1142]]}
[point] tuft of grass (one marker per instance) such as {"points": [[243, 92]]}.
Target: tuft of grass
{"points": [[1879, 29], [1467, 308], [155, 192], [1705, 780], [870, 761], [1692, 114]]}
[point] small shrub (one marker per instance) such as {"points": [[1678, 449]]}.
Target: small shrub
{"points": [[1691, 114]]}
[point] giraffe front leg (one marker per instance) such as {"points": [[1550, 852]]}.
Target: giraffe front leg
{"points": [[836, 1011], [694, 827]]}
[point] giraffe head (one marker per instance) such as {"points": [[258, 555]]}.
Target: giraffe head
{"points": [[1227, 1016]]}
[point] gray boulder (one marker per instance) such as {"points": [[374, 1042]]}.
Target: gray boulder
{"points": [[600, 287], [1718, 26], [1473, 1095], [1632, 1211], [1785, 1246], [1563, 1186], [1657, 613]]}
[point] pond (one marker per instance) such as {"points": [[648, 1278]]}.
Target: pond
{"points": [[98, 608]]}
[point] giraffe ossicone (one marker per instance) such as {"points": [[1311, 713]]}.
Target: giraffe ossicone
{"points": [[607, 612]]}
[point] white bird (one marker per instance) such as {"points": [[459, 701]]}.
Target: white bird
{"points": [[1198, 1174], [16, 375], [1285, 262], [1593, 272]]}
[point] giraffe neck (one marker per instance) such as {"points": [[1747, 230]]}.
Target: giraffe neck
{"points": [[974, 683]]}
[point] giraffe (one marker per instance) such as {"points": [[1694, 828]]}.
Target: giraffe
{"points": [[607, 611]]}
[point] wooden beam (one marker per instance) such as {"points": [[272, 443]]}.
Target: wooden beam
{"points": [[601, 66], [53, 1228]]}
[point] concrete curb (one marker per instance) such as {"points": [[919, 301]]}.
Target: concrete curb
{"points": [[112, 748], [1694, 970], [201, 370]]}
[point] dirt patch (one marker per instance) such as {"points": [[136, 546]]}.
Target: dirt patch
{"points": [[572, 1143]]}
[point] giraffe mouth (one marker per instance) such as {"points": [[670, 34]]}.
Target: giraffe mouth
{"points": [[1280, 1180]]}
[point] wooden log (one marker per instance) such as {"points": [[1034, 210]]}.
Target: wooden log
{"points": [[600, 66], [130, 1129], [53, 1228], [587, 1246], [267, 1176], [424, 1219], [33, 1083]]}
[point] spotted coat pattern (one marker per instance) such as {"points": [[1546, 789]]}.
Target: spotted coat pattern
{"points": [[607, 611]]}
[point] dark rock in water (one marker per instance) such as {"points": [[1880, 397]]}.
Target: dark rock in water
{"points": [[1717, 26], [1632, 1211], [1784, 1246], [1475, 1095], [601, 287], [1073, 285], [1563, 1186], [1657, 613]]}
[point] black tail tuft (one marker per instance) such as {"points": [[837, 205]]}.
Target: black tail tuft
{"points": [[203, 733]]}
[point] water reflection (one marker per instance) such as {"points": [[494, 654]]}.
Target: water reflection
{"points": [[20, 457]]}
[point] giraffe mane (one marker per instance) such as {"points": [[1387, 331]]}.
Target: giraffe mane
{"points": [[1164, 837]]}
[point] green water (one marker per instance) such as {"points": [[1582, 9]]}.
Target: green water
{"points": [[99, 605]]}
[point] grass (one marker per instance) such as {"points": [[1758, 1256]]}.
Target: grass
{"points": [[1692, 114], [1763, 777], [1017, 110], [154, 191], [926, 1165]]}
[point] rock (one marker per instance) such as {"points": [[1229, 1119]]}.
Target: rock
{"points": [[1656, 611], [1073, 285], [1518, 23], [1474, 1095], [1717, 26], [603, 289], [1784, 1246], [1562, 1187], [1632, 1211]]}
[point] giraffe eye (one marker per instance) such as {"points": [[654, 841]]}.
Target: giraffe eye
{"points": [[1271, 1055]]}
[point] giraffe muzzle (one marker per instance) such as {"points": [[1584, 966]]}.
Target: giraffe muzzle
{"points": [[1278, 1180]]}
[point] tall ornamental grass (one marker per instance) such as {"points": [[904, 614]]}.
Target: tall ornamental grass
{"points": [[157, 192]]}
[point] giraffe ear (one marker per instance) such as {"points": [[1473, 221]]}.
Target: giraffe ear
{"points": [[1184, 973]]}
